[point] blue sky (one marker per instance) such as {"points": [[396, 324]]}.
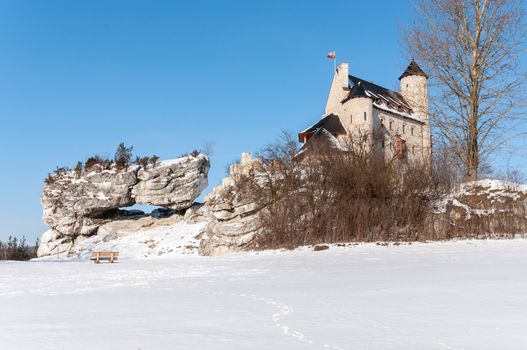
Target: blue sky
{"points": [[79, 77]]}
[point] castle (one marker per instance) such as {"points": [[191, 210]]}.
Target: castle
{"points": [[396, 124]]}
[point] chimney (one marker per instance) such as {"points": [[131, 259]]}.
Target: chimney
{"points": [[342, 72]]}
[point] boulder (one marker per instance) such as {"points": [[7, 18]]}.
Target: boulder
{"points": [[174, 184], [479, 209], [76, 206], [233, 214]]}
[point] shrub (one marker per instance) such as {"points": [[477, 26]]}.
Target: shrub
{"points": [[142, 161], [336, 196], [78, 168], [92, 162], [49, 180], [59, 171], [153, 160], [123, 155], [17, 249]]}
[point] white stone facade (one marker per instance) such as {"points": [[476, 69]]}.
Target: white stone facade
{"points": [[388, 117]]}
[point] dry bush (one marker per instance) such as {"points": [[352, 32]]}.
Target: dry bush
{"points": [[49, 180], [142, 161], [92, 162], [153, 160], [195, 153], [60, 171], [17, 249], [337, 196], [78, 169], [123, 155]]}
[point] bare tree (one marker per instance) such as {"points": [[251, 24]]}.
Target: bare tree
{"points": [[471, 49]]}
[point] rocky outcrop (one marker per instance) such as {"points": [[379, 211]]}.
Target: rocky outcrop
{"points": [[480, 209], [233, 215], [84, 213], [76, 206], [175, 184]]}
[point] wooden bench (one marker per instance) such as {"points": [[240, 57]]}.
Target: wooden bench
{"points": [[108, 256]]}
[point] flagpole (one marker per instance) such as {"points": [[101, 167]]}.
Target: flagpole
{"points": [[333, 56]]}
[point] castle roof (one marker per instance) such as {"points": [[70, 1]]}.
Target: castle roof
{"points": [[356, 91], [383, 98], [330, 122], [321, 140], [413, 69]]}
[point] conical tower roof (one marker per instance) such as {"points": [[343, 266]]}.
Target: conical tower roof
{"points": [[413, 69]]}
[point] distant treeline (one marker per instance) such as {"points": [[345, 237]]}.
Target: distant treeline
{"points": [[17, 249]]}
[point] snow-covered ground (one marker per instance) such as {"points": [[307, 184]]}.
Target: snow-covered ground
{"points": [[455, 295]]}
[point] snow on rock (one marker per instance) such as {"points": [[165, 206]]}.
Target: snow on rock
{"points": [[233, 215], [83, 212], [76, 206], [173, 184], [480, 208]]}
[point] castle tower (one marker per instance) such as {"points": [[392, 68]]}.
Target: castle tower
{"points": [[338, 90], [414, 88]]}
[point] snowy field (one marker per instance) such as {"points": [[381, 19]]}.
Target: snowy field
{"points": [[456, 295]]}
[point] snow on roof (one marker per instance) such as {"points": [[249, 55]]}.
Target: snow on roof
{"points": [[330, 122], [321, 139], [383, 98]]}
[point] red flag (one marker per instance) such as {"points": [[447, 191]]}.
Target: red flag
{"points": [[332, 55]]}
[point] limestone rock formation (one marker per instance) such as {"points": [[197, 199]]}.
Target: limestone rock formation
{"points": [[480, 209], [233, 216], [76, 206], [84, 212], [175, 184]]}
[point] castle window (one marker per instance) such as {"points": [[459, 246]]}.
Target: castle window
{"points": [[382, 143], [391, 125], [403, 128], [382, 121], [412, 130], [351, 118], [364, 116]]}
